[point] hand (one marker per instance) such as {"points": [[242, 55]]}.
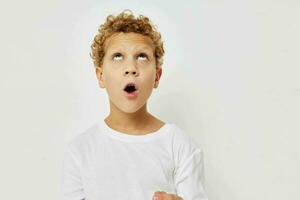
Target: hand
{"points": [[161, 195]]}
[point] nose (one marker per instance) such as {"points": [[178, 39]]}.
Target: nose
{"points": [[134, 72], [131, 70]]}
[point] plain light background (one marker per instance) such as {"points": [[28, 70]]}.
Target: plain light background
{"points": [[230, 79]]}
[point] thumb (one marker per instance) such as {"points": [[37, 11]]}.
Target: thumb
{"points": [[160, 192], [157, 193]]}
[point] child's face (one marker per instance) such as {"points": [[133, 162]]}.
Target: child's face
{"points": [[129, 57]]}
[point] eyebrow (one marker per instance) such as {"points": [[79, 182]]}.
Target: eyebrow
{"points": [[144, 48], [140, 48], [147, 51]]}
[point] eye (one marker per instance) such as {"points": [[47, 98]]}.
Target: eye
{"points": [[117, 56], [143, 55]]}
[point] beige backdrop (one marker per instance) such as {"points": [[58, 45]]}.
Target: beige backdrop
{"points": [[230, 79]]}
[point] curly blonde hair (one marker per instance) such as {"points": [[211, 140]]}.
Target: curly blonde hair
{"points": [[126, 22]]}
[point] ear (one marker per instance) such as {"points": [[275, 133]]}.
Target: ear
{"points": [[158, 75], [99, 74]]}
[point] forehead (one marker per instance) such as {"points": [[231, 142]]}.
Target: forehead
{"points": [[128, 41]]}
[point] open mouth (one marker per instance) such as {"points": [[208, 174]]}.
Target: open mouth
{"points": [[130, 88]]}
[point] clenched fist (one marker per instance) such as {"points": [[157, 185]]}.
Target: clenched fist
{"points": [[161, 195]]}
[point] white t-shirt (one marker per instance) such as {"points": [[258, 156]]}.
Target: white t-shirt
{"points": [[104, 164]]}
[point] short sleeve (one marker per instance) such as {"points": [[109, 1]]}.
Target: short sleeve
{"points": [[72, 188], [189, 177]]}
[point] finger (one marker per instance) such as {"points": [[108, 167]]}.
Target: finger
{"points": [[158, 195], [167, 196], [160, 192], [174, 197]]}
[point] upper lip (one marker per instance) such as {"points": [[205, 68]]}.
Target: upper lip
{"points": [[131, 83]]}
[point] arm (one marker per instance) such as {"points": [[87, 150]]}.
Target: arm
{"points": [[72, 188], [189, 177]]}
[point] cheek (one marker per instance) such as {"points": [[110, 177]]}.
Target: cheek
{"points": [[112, 82], [150, 80]]}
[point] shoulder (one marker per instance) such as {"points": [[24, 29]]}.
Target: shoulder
{"points": [[82, 140], [182, 138], [184, 145]]}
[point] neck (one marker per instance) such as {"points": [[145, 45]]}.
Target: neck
{"points": [[123, 120]]}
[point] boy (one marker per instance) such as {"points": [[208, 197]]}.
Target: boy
{"points": [[131, 154]]}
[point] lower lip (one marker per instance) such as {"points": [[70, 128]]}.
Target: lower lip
{"points": [[131, 95]]}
